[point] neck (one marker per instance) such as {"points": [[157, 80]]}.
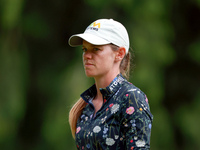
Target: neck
{"points": [[104, 81]]}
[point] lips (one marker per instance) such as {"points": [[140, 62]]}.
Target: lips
{"points": [[88, 64]]}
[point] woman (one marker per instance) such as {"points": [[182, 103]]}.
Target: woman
{"points": [[113, 113]]}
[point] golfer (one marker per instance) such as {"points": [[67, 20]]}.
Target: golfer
{"points": [[112, 114]]}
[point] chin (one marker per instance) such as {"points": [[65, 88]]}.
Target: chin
{"points": [[89, 74], [92, 74]]}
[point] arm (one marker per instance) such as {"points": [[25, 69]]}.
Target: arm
{"points": [[136, 121]]}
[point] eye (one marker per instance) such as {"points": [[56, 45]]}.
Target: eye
{"points": [[84, 49], [96, 49]]}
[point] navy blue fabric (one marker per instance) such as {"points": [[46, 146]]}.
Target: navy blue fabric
{"points": [[123, 122]]}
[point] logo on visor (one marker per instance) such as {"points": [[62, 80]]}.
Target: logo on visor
{"points": [[94, 26]]}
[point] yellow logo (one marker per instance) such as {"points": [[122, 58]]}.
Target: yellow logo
{"points": [[95, 24]]}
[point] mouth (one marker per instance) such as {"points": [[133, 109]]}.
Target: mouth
{"points": [[88, 64]]}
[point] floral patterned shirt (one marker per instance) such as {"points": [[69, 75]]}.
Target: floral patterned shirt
{"points": [[123, 122]]}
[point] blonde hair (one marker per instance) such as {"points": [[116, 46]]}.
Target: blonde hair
{"points": [[74, 114], [77, 108], [125, 63]]}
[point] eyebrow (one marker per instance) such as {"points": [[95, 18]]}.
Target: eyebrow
{"points": [[92, 46]]}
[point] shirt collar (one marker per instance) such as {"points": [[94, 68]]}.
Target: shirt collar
{"points": [[106, 92]]}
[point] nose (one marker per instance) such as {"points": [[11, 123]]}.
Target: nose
{"points": [[87, 55]]}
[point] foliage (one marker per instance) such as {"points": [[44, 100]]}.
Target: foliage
{"points": [[41, 76]]}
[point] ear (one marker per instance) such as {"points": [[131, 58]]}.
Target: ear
{"points": [[120, 54]]}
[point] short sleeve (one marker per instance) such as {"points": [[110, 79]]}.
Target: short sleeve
{"points": [[136, 120]]}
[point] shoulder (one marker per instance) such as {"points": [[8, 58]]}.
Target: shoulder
{"points": [[132, 92], [134, 99]]}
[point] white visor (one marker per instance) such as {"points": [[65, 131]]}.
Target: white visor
{"points": [[77, 39], [101, 32]]}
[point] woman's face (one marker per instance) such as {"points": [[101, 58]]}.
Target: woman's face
{"points": [[98, 60]]}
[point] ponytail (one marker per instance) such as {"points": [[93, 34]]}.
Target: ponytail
{"points": [[74, 114], [125, 65]]}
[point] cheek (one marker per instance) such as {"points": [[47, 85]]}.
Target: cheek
{"points": [[107, 62], [109, 58]]}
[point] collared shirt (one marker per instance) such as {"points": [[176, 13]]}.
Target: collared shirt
{"points": [[123, 122]]}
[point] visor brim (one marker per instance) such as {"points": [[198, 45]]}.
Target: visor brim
{"points": [[77, 39]]}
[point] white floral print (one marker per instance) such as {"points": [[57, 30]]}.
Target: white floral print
{"points": [[86, 118], [115, 108], [96, 129], [110, 141], [140, 143], [116, 137], [135, 137]]}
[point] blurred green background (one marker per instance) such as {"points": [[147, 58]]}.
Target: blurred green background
{"points": [[41, 76]]}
